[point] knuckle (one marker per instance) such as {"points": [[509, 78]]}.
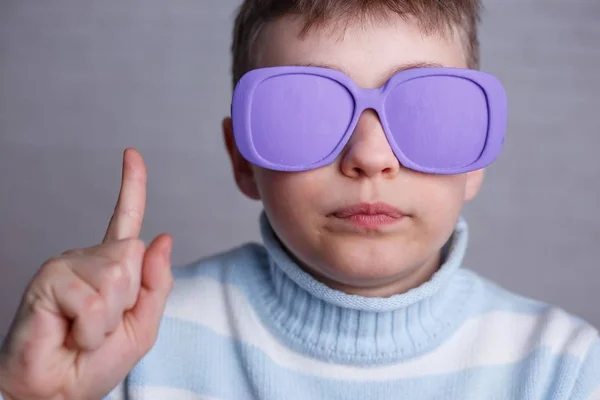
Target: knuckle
{"points": [[54, 266], [112, 272], [76, 285], [31, 299], [111, 264], [93, 304], [129, 212], [40, 289], [115, 275], [72, 252]]}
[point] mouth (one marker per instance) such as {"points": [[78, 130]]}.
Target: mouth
{"points": [[369, 215]]}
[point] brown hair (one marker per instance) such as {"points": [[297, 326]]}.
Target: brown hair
{"points": [[433, 16]]}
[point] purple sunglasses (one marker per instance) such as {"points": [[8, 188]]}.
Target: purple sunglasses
{"points": [[436, 120]]}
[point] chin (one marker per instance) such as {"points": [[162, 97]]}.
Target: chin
{"points": [[367, 264]]}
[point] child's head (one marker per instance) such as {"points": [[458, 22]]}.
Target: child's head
{"points": [[369, 41]]}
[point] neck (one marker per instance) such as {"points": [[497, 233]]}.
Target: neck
{"points": [[389, 286], [340, 326]]}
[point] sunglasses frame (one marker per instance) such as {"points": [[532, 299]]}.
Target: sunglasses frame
{"points": [[375, 99]]}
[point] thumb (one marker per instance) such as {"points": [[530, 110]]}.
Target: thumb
{"points": [[156, 285]]}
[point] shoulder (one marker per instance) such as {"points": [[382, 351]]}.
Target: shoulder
{"points": [[532, 328], [494, 299]]}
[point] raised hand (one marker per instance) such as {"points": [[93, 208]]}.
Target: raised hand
{"points": [[89, 315]]}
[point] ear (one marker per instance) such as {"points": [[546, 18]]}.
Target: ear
{"points": [[242, 169], [473, 184]]}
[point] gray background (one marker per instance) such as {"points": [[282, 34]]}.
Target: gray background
{"points": [[82, 80]]}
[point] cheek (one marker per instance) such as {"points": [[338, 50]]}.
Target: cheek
{"points": [[448, 199], [440, 203], [292, 202], [291, 198], [286, 189]]}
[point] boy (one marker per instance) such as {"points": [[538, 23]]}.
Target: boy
{"points": [[358, 291]]}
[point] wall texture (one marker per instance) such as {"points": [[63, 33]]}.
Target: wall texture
{"points": [[82, 80]]}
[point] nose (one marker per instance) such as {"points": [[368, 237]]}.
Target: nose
{"points": [[368, 153]]}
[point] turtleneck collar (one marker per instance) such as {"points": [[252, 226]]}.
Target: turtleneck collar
{"points": [[335, 326]]}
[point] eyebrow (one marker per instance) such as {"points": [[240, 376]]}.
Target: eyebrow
{"points": [[394, 71]]}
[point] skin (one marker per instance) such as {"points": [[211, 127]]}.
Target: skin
{"points": [[376, 262]]}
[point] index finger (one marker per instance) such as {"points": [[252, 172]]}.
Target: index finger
{"points": [[126, 221]]}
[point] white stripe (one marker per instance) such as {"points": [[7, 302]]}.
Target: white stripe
{"points": [[163, 393], [495, 338], [595, 395]]}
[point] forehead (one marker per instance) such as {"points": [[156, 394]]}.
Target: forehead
{"points": [[368, 52]]}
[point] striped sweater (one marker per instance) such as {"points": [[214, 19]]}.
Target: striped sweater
{"points": [[250, 324]]}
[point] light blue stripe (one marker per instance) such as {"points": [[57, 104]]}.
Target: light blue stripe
{"points": [[190, 357]]}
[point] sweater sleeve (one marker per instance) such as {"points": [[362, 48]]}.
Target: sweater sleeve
{"points": [[587, 384]]}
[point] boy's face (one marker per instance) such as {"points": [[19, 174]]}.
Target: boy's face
{"points": [[381, 259]]}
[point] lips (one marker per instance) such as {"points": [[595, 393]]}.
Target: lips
{"points": [[369, 209]]}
